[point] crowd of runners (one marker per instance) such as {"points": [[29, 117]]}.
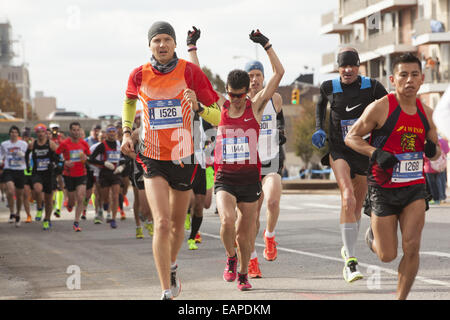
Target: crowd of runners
{"points": [[52, 171], [189, 139]]}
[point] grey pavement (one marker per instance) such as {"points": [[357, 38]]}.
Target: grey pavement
{"points": [[112, 264]]}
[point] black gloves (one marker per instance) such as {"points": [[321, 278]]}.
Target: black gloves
{"points": [[258, 37], [385, 160], [193, 36], [430, 149]]}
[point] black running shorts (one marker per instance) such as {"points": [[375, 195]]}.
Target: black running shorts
{"points": [[16, 176], [358, 163], [45, 179], [199, 184], [71, 183], [180, 176], [90, 179], [389, 201], [245, 193], [107, 178]]}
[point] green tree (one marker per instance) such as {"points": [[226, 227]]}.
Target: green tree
{"points": [[217, 82], [304, 129]]}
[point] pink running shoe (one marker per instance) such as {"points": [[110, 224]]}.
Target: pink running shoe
{"points": [[229, 274], [243, 283]]}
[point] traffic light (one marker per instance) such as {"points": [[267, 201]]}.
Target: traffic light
{"points": [[295, 96]]}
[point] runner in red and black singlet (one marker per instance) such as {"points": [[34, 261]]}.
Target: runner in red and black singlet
{"points": [[237, 164], [75, 152], [236, 153], [403, 135], [402, 132]]}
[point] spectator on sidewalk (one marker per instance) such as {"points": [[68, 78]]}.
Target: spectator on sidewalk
{"points": [[435, 172], [431, 65], [443, 175]]}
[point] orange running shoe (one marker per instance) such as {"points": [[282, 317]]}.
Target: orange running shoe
{"points": [[270, 251], [253, 269], [198, 238], [122, 215], [76, 227], [28, 219], [125, 201]]}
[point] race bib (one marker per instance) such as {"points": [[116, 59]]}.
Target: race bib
{"points": [[409, 168], [165, 114], [75, 155], [16, 163], [42, 164], [235, 149], [266, 125], [346, 125], [113, 156]]}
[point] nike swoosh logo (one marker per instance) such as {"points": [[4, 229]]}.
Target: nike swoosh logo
{"points": [[248, 119], [258, 194], [350, 109]]}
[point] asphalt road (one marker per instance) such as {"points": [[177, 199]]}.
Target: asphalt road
{"points": [[112, 264]]}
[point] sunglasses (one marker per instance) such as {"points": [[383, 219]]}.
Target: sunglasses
{"points": [[111, 130], [236, 95]]}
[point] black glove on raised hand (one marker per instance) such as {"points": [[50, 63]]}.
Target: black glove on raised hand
{"points": [[193, 36], [430, 149], [385, 160], [258, 37]]}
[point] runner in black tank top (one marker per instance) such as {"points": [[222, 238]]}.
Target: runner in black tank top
{"points": [[44, 162], [348, 96]]}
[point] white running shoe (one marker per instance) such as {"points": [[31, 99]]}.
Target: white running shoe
{"points": [[351, 272], [175, 284], [167, 296], [17, 221]]}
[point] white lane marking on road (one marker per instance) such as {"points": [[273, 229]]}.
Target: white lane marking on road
{"points": [[309, 205], [436, 253], [320, 205], [321, 256]]}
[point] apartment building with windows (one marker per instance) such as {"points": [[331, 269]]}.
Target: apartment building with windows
{"points": [[382, 29]]}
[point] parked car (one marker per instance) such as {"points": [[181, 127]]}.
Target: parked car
{"points": [[110, 117], [61, 115], [5, 117]]}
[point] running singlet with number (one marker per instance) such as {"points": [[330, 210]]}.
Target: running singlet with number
{"points": [[112, 155], [167, 119], [348, 102], [42, 157], [236, 158], [404, 136], [269, 139], [14, 154], [72, 151], [95, 168]]}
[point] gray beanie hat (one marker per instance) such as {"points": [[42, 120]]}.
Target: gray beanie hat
{"points": [[160, 27]]}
